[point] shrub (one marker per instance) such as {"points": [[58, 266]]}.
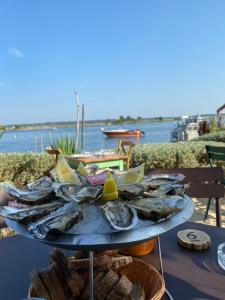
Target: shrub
{"points": [[217, 136], [21, 168], [173, 155]]}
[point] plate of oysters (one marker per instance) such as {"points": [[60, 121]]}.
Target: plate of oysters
{"points": [[64, 209]]}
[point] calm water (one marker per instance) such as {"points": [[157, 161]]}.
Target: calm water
{"points": [[33, 140]]}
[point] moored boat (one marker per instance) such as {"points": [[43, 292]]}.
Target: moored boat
{"points": [[120, 133]]}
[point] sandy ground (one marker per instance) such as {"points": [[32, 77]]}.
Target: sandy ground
{"points": [[200, 208]]}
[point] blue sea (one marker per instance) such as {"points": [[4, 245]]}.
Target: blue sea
{"points": [[94, 139]]}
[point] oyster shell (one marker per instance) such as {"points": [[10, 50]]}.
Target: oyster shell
{"points": [[78, 193], [121, 216], [92, 169], [27, 196], [130, 191], [82, 179], [157, 209], [32, 213], [154, 181], [67, 191], [58, 221], [168, 189], [40, 184]]}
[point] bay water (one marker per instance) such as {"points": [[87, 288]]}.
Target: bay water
{"points": [[94, 140]]}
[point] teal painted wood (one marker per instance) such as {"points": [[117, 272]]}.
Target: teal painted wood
{"points": [[216, 156], [215, 153], [102, 165], [215, 149], [110, 164]]}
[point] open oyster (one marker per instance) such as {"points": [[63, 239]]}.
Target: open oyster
{"points": [[154, 181], [82, 179], [40, 184], [157, 209], [121, 216], [58, 221], [130, 191], [78, 193], [168, 189], [31, 213], [27, 196]]}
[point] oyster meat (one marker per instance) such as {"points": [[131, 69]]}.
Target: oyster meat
{"points": [[90, 193], [130, 191], [78, 193], [157, 209], [40, 184], [67, 191], [154, 181], [120, 216], [168, 189], [29, 197], [58, 221], [31, 213]]}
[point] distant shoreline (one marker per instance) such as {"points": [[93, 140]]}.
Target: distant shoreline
{"points": [[108, 122], [57, 125]]}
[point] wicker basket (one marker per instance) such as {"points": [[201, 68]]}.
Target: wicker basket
{"points": [[140, 272]]}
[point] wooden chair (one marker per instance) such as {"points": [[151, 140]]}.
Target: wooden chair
{"points": [[53, 152], [214, 153], [124, 148], [204, 183]]}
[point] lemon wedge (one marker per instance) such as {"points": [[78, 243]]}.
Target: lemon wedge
{"points": [[110, 189], [63, 171], [133, 175]]}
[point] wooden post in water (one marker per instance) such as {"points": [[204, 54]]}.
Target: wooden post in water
{"points": [[35, 144], [82, 126], [42, 145], [77, 127]]}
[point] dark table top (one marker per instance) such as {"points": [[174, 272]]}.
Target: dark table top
{"points": [[188, 274]]}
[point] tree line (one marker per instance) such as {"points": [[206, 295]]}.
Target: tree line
{"points": [[129, 119]]}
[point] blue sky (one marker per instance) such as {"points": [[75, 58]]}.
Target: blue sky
{"points": [[130, 57]]}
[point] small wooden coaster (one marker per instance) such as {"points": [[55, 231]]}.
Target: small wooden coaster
{"points": [[194, 239]]}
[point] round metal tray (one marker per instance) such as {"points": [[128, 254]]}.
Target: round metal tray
{"points": [[113, 240]]}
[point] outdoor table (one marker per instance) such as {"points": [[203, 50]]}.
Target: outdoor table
{"points": [[188, 274], [102, 161]]}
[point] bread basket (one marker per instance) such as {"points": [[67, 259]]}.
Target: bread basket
{"points": [[139, 272]]}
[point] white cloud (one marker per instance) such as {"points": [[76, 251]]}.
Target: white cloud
{"points": [[15, 52]]}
